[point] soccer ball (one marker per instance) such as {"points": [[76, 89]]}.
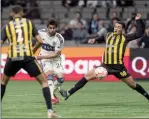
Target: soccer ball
{"points": [[100, 72]]}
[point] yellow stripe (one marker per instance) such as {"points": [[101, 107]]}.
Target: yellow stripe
{"points": [[31, 29], [21, 52], [38, 66], [121, 49], [107, 40], [13, 38], [26, 33], [115, 49], [110, 49], [9, 38]]}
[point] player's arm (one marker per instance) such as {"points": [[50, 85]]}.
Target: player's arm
{"points": [[38, 39], [3, 35], [139, 31], [50, 55], [92, 40]]}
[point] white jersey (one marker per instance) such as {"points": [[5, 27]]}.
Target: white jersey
{"points": [[50, 44]]}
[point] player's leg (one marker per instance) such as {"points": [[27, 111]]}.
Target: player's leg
{"points": [[123, 75], [59, 71], [59, 81], [48, 69], [4, 82], [81, 83], [34, 70], [132, 84], [10, 69]]}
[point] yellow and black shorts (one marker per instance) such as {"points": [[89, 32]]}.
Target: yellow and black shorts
{"points": [[28, 63], [118, 70]]}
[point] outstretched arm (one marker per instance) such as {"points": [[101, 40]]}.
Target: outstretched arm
{"points": [[91, 41], [140, 29]]}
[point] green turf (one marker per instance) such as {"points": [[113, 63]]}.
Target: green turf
{"points": [[24, 99]]}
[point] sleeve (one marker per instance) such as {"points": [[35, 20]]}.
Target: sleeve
{"points": [[60, 42], [3, 34], [103, 37], [35, 32], [139, 32]]}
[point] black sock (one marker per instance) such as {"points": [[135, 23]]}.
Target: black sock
{"points": [[78, 85], [3, 87], [47, 96], [141, 90]]}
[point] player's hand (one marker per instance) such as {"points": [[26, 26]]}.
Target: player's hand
{"points": [[138, 17], [91, 41], [38, 58]]}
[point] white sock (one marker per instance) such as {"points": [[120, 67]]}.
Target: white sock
{"points": [[51, 86], [56, 85]]}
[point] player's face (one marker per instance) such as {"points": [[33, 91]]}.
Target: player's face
{"points": [[52, 30], [118, 28]]}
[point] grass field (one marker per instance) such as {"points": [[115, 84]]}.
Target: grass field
{"points": [[24, 99]]}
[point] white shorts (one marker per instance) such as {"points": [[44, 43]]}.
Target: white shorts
{"points": [[55, 65]]}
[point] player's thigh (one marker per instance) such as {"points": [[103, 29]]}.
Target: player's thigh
{"points": [[47, 67], [33, 68], [58, 68], [12, 67]]}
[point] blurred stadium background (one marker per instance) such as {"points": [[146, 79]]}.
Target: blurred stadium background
{"points": [[78, 21]]}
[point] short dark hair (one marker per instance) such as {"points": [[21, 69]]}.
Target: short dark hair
{"points": [[17, 8], [122, 23], [52, 22]]}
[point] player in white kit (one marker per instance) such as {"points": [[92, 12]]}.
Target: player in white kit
{"points": [[50, 57]]}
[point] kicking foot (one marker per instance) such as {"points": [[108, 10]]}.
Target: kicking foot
{"points": [[64, 94]]}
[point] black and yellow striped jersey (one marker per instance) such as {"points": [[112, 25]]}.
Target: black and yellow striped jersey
{"points": [[115, 49], [116, 44], [19, 33]]}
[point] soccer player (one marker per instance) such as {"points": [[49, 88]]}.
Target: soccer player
{"points": [[113, 59], [19, 33], [50, 56]]}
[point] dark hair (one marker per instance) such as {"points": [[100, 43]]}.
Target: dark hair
{"points": [[52, 22], [17, 8], [122, 23]]}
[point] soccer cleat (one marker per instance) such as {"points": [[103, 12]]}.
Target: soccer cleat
{"points": [[56, 98], [64, 94], [54, 101], [52, 115]]}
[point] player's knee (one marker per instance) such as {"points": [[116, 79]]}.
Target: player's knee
{"points": [[50, 77], [132, 85], [60, 80], [5, 79]]}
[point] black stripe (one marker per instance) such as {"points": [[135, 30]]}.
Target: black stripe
{"points": [[29, 40], [107, 54], [27, 24], [11, 40], [113, 50], [123, 50], [118, 49]]}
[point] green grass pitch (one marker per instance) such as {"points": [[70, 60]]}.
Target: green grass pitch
{"points": [[23, 99]]}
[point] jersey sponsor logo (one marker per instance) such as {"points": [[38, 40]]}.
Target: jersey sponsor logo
{"points": [[48, 47]]}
